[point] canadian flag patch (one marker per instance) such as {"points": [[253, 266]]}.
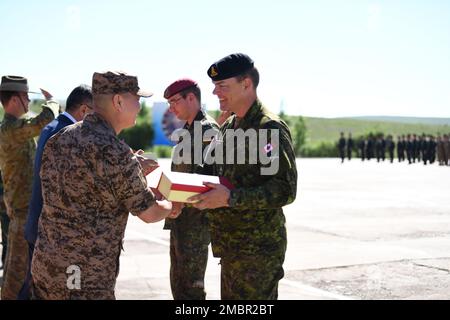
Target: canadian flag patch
{"points": [[268, 147]]}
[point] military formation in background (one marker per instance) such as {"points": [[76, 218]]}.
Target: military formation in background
{"points": [[409, 148]]}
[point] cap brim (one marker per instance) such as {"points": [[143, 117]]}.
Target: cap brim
{"points": [[34, 90], [145, 94], [15, 87]]}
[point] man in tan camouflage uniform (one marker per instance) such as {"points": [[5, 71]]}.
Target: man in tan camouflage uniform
{"points": [[189, 235], [17, 148], [91, 180], [248, 225]]}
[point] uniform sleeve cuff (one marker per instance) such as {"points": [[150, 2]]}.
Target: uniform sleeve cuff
{"points": [[54, 106]]}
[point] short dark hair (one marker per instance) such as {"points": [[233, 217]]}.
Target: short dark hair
{"points": [[195, 90], [80, 95], [5, 96], [252, 73]]}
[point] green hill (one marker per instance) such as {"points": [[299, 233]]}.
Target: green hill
{"points": [[327, 130], [432, 121]]}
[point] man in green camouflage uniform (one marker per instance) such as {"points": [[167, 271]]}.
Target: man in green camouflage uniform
{"points": [[17, 148], [248, 228], [189, 235], [91, 181]]}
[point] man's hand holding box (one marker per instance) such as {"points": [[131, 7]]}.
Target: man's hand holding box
{"points": [[191, 188]]}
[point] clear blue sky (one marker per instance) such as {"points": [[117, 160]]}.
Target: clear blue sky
{"points": [[322, 58]]}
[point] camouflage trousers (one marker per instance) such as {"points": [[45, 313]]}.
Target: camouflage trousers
{"points": [[251, 278], [39, 291], [189, 240], [16, 255]]}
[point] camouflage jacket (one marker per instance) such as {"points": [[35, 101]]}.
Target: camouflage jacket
{"points": [[206, 122], [2, 203], [90, 182], [1, 185], [17, 149], [254, 223]]}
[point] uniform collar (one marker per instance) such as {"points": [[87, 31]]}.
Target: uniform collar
{"points": [[9, 117], [69, 116], [97, 120], [199, 117], [251, 114]]}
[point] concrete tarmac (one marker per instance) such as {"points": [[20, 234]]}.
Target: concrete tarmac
{"points": [[358, 230]]}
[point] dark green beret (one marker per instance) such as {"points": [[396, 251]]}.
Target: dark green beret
{"points": [[230, 66]]}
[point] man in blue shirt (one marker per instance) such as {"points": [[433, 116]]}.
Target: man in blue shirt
{"points": [[78, 104]]}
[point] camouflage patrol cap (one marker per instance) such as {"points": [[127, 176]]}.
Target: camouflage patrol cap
{"points": [[14, 83], [114, 82], [230, 66], [178, 86]]}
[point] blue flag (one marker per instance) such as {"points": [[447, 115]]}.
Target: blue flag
{"points": [[164, 124]]}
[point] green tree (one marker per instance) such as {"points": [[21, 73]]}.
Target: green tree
{"points": [[320, 150], [299, 134], [141, 135], [298, 130]]}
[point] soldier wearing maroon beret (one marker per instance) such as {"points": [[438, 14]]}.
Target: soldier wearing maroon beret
{"points": [[189, 233]]}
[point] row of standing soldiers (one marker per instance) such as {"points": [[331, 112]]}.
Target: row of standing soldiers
{"points": [[410, 147]]}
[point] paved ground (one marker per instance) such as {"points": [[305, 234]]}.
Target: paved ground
{"points": [[356, 231]]}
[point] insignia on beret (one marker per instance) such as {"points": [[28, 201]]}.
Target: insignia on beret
{"points": [[213, 72], [230, 66]]}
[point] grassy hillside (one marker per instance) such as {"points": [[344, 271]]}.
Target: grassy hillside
{"points": [[327, 130], [432, 121]]}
